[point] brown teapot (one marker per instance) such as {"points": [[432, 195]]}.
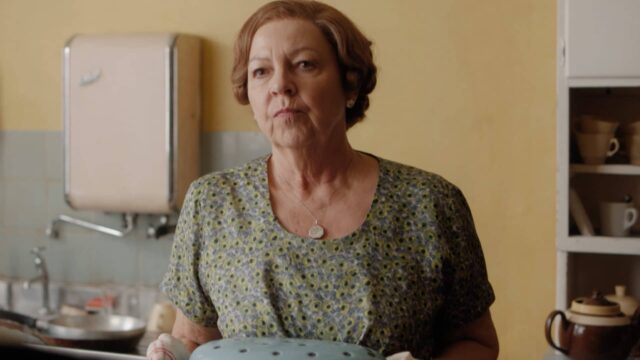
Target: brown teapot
{"points": [[595, 329]]}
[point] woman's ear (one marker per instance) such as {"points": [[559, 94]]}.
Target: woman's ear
{"points": [[351, 102], [353, 84]]}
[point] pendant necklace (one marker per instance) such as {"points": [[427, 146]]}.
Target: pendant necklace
{"points": [[316, 231]]}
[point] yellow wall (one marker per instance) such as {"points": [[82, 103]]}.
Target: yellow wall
{"points": [[466, 89]]}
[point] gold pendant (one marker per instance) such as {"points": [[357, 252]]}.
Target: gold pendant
{"points": [[316, 231]]}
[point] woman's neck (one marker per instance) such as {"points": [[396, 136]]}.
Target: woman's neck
{"points": [[309, 168]]}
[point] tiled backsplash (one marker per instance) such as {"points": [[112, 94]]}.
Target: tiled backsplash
{"points": [[31, 195]]}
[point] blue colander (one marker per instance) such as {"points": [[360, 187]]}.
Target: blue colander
{"points": [[282, 349]]}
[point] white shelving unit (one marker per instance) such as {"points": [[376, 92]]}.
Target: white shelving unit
{"points": [[598, 72], [600, 245], [610, 169]]}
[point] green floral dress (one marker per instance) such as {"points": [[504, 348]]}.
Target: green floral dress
{"points": [[413, 270]]}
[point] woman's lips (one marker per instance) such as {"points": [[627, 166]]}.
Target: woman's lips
{"points": [[286, 112]]}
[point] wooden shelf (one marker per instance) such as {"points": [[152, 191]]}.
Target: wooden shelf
{"points": [[608, 169], [604, 82], [601, 245]]}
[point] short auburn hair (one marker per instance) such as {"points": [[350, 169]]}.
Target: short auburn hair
{"points": [[351, 47]]}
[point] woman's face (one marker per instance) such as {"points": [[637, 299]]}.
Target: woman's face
{"points": [[294, 85]]}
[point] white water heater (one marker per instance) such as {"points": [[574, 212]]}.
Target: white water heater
{"points": [[131, 121]]}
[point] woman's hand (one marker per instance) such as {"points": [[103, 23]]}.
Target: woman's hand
{"points": [[405, 355], [192, 334], [166, 347], [476, 340]]}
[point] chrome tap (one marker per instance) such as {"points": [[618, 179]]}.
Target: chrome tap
{"points": [[43, 277], [162, 229]]}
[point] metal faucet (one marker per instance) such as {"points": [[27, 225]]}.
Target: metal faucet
{"points": [[162, 229], [43, 277]]}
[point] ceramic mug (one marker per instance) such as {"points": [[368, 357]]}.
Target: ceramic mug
{"points": [[590, 124], [596, 148], [633, 148], [632, 128], [616, 218]]}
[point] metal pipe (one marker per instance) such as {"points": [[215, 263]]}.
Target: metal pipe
{"points": [[129, 223]]}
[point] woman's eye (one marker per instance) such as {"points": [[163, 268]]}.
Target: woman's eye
{"points": [[258, 72], [306, 65]]}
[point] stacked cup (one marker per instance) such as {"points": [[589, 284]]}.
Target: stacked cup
{"points": [[617, 218], [596, 139], [631, 133]]}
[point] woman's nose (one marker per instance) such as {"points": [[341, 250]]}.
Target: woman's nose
{"points": [[282, 84]]}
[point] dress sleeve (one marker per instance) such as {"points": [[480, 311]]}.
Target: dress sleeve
{"points": [[181, 283], [468, 293]]}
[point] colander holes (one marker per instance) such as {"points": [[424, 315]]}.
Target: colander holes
{"points": [[216, 347], [275, 353], [311, 354], [347, 354], [242, 350], [302, 344]]}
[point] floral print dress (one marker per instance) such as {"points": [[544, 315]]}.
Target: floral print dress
{"points": [[412, 271]]}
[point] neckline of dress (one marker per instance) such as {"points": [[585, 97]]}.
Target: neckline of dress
{"points": [[360, 229]]}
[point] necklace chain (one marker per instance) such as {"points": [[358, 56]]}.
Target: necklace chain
{"points": [[316, 231]]}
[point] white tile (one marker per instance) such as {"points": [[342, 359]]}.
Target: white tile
{"points": [[222, 150], [2, 201], [116, 260], [22, 154], [56, 206], [16, 259], [53, 146], [24, 204], [153, 260], [72, 258], [3, 153]]}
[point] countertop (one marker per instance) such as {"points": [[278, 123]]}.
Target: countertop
{"points": [[555, 355], [137, 354], [85, 354]]}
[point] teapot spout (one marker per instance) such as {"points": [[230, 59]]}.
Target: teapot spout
{"points": [[635, 318], [635, 334], [635, 324]]}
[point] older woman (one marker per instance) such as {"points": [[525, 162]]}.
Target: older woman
{"points": [[318, 240]]}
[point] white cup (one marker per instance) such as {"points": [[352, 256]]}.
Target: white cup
{"points": [[616, 218]]}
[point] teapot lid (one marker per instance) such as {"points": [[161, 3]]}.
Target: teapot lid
{"points": [[597, 310], [597, 304]]}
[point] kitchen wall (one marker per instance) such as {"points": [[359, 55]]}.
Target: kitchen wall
{"points": [[31, 195], [466, 89]]}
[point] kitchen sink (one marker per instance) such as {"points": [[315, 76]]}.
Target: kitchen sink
{"points": [[69, 299], [135, 301]]}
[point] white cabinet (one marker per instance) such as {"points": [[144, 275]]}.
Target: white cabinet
{"points": [[603, 38], [598, 73]]}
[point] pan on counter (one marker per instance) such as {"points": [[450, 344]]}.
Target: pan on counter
{"points": [[96, 332]]}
